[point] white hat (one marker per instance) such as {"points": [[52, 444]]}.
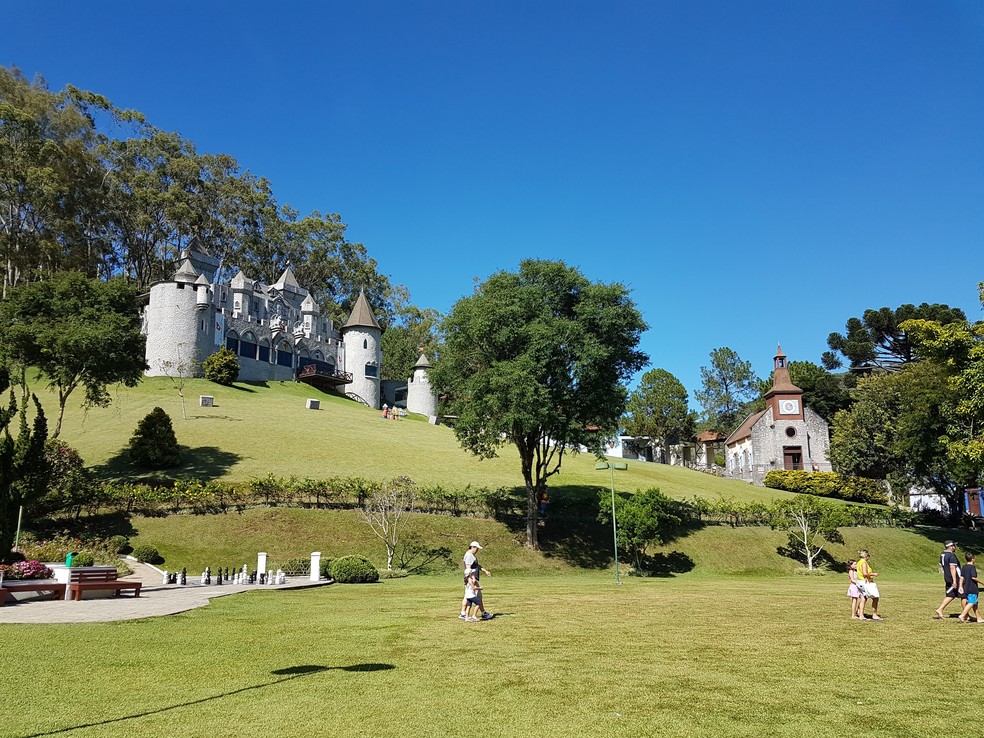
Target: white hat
{"points": [[476, 544]]}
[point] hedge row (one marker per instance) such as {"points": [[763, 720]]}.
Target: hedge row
{"points": [[204, 498], [727, 511], [828, 484]]}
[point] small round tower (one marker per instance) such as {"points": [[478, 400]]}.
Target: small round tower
{"points": [[178, 324], [420, 394], [363, 352]]}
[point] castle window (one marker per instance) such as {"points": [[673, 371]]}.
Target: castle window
{"points": [[790, 431], [372, 370], [203, 325], [232, 343], [365, 343], [181, 285]]}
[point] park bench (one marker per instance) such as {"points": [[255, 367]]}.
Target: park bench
{"points": [[57, 590], [105, 579]]}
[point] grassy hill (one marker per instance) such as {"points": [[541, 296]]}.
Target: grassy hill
{"points": [[259, 429]]}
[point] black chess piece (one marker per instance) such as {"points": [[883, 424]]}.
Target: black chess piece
{"points": [[184, 575], [218, 577], [208, 575]]}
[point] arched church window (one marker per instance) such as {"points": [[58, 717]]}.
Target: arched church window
{"points": [[365, 343]]}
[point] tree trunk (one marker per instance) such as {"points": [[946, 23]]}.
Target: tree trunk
{"points": [[532, 507]]}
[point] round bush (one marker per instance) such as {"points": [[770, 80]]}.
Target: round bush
{"points": [[353, 570], [83, 558], [222, 367], [146, 554], [326, 568], [117, 544]]}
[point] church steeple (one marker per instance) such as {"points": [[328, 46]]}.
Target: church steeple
{"points": [[785, 398]]}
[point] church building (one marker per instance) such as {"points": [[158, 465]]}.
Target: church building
{"points": [[786, 435]]}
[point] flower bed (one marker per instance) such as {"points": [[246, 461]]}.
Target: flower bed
{"points": [[20, 570]]}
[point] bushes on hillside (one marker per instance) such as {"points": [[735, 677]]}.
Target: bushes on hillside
{"points": [[153, 444], [146, 554], [827, 484], [221, 367]]}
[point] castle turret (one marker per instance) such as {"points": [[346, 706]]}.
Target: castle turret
{"points": [[363, 352], [180, 323], [309, 317], [420, 395], [242, 296]]}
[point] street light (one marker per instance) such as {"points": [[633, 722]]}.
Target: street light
{"points": [[621, 466]]}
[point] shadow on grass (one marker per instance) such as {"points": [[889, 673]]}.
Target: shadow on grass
{"points": [[201, 462], [667, 564], [287, 674], [102, 525]]}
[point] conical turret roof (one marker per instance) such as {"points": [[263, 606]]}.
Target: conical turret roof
{"points": [[781, 383], [422, 362], [361, 316], [186, 272]]}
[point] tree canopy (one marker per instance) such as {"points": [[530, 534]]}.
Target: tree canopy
{"points": [[538, 359], [728, 385], [77, 332], [658, 410], [87, 186], [878, 340]]}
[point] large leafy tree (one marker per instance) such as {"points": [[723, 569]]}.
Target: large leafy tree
{"points": [[657, 409], [77, 332], [898, 430], [538, 359], [728, 385], [878, 340]]}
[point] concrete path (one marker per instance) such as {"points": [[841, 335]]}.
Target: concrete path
{"points": [[155, 599]]}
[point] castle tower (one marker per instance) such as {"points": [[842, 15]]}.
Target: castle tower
{"points": [[180, 324], [420, 395], [309, 317], [363, 351]]}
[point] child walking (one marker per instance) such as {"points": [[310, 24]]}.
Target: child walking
{"points": [[472, 588], [853, 592], [969, 583]]}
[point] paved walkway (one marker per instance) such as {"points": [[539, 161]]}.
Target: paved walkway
{"points": [[155, 599]]}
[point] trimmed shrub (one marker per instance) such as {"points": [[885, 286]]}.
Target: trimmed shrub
{"points": [[146, 554], [326, 568], [153, 443], [83, 558], [222, 367], [827, 484], [117, 544], [353, 570]]}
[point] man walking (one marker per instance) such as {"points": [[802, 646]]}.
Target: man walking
{"points": [[950, 567], [471, 565]]}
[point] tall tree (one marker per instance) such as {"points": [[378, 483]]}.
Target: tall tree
{"points": [[23, 466], [877, 340], [77, 332], [416, 331], [729, 384], [537, 359], [658, 410], [897, 429]]}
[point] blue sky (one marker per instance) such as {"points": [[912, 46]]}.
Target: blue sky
{"points": [[755, 171]]}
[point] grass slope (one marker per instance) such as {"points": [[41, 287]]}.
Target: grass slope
{"points": [[254, 430]]}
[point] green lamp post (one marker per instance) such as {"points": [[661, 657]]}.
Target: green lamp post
{"points": [[612, 466]]}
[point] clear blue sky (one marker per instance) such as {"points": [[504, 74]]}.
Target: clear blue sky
{"points": [[755, 171]]}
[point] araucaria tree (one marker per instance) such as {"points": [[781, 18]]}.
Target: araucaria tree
{"points": [[658, 410], [538, 359]]}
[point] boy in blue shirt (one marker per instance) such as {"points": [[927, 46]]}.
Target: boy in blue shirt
{"points": [[969, 589]]}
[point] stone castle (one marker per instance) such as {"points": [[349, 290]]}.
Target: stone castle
{"points": [[276, 330]]}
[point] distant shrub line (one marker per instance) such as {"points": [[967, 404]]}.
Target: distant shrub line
{"points": [[215, 497], [728, 511]]}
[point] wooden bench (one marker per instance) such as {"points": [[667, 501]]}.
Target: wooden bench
{"points": [[10, 586], [106, 579]]}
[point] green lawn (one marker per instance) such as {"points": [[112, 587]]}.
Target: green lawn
{"points": [[571, 655]]}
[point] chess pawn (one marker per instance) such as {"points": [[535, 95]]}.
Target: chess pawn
{"points": [[270, 579], [227, 573], [208, 575], [218, 577], [167, 578], [203, 578], [184, 575]]}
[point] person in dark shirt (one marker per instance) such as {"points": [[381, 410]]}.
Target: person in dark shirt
{"points": [[969, 588], [950, 566]]}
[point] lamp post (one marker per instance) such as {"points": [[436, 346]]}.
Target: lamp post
{"points": [[621, 466]]}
